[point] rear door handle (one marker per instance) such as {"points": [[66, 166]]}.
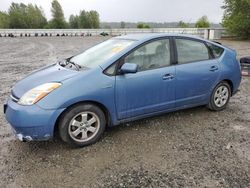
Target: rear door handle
{"points": [[214, 68], [168, 77]]}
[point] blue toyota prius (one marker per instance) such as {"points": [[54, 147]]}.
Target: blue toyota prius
{"points": [[122, 79]]}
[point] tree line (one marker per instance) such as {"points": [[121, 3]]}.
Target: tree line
{"points": [[22, 16], [202, 22]]}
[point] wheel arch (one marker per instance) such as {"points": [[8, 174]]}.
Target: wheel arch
{"points": [[230, 84], [98, 104]]}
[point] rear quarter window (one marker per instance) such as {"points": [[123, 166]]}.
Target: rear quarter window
{"points": [[216, 50]]}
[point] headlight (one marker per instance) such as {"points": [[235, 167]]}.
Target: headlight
{"points": [[37, 93]]}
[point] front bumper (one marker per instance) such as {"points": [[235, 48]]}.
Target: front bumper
{"points": [[31, 122]]}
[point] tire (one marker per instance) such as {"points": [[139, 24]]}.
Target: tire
{"points": [[220, 97], [82, 125]]}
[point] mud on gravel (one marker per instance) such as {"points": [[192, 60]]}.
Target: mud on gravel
{"points": [[189, 148]]}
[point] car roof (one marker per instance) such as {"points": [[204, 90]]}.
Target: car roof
{"points": [[143, 37], [149, 36]]}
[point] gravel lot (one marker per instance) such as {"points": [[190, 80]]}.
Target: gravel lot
{"points": [[189, 148]]}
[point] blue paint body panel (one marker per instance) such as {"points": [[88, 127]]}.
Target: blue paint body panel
{"points": [[144, 92], [32, 120], [126, 97], [195, 82]]}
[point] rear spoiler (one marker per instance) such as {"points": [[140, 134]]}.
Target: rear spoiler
{"points": [[217, 42]]}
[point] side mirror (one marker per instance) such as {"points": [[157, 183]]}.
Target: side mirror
{"points": [[129, 68]]}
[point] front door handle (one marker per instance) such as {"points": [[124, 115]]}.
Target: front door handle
{"points": [[214, 68], [168, 77]]}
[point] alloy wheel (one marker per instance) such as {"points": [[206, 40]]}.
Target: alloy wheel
{"points": [[221, 96], [84, 126]]}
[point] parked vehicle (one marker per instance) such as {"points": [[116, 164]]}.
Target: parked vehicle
{"points": [[104, 34], [120, 80]]}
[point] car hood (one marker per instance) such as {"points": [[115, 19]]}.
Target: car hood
{"points": [[51, 73]]}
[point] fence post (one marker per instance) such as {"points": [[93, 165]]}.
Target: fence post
{"points": [[207, 34]]}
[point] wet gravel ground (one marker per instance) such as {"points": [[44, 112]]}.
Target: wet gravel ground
{"points": [[189, 148]]}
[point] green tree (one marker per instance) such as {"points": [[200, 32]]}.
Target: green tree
{"points": [[143, 26], [26, 16], [182, 24], [58, 20], [74, 22], [94, 19], [4, 20], [84, 21], [202, 22], [35, 17], [236, 17], [18, 15], [89, 20], [140, 26]]}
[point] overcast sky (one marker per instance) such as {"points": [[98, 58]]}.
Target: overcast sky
{"points": [[136, 10]]}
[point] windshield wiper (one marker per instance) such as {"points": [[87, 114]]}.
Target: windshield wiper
{"points": [[77, 66]]}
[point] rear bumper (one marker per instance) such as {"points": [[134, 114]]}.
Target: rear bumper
{"points": [[31, 122]]}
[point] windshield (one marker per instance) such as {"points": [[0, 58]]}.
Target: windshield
{"points": [[100, 53]]}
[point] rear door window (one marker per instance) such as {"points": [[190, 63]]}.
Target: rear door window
{"points": [[191, 51]]}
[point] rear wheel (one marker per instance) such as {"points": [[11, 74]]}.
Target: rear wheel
{"points": [[220, 97], [82, 125]]}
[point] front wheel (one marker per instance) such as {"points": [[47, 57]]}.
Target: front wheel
{"points": [[82, 125], [220, 97]]}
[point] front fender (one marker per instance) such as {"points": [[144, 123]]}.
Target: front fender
{"points": [[94, 86]]}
